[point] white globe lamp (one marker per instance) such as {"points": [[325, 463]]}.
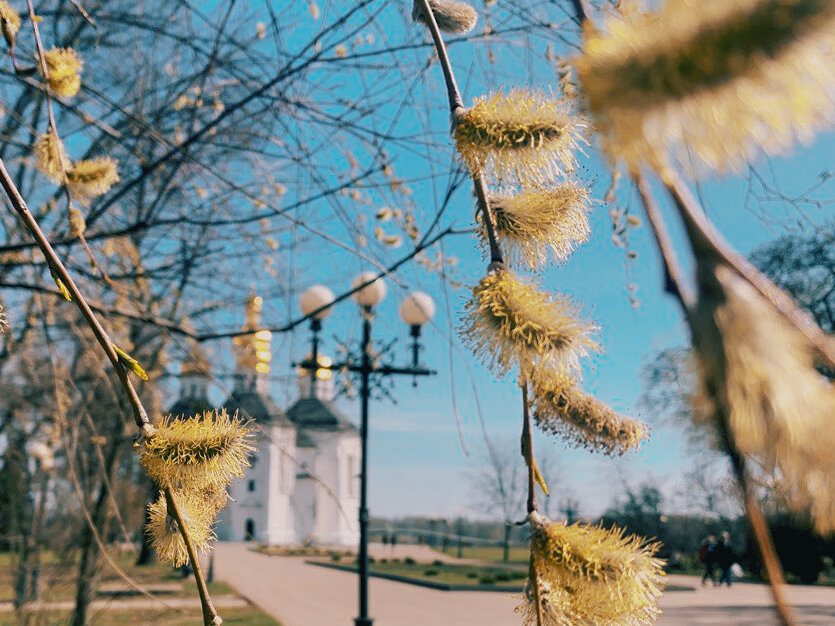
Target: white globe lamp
{"points": [[417, 309], [315, 298], [372, 293]]}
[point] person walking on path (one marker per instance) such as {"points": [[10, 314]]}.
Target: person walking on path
{"points": [[725, 557], [707, 557]]}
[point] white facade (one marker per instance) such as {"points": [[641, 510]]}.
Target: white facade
{"points": [[303, 485], [259, 506], [326, 498]]}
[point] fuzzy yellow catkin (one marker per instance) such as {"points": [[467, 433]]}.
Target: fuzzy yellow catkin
{"points": [[77, 223], [522, 136], [451, 16], [63, 66], [718, 80], [166, 538], [583, 574], [561, 408], [10, 22], [92, 177], [200, 452], [541, 224], [510, 322], [759, 371], [51, 157]]}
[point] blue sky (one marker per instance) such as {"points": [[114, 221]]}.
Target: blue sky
{"points": [[418, 465]]}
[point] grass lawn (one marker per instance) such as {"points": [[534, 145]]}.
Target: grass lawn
{"points": [[250, 616], [511, 578], [58, 579], [490, 553]]}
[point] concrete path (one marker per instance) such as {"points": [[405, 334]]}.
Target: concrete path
{"points": [[298, 594]]}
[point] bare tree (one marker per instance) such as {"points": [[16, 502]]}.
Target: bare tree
{"points": [[500, 485]]}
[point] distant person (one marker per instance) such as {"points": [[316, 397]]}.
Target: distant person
{"points": [[725, 557], [707, 557]]}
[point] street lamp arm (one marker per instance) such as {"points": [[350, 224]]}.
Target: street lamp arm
{"points": [[384, 370]]}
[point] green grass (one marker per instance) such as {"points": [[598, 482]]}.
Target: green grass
{"points": [[452, 574], [250, 616], [58, 578], [491, 553]]}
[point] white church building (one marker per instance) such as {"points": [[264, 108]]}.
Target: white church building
{"points": [[303, 483]]}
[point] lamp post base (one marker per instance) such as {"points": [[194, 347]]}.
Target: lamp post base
{"points": [[363, 621]]}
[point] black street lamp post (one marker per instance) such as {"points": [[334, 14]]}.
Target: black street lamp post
{"points": [[417, 309]]}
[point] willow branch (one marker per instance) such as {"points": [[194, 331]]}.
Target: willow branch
{"points": [[527, 453], [455, 102], [673, 279], [705, 239], [527, 447], [456, 106], [210, 616], [57, 267], [756, 520], [580, 10]]}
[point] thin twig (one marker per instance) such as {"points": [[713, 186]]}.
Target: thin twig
{"points": [[527, 453], [580, 11], [210, 616], [756, 520], [456, 106], [673, 280], [527, 447], [704, 242], [343, 296], [140, 415], [57, 267], [456, 103], [705, 239]]}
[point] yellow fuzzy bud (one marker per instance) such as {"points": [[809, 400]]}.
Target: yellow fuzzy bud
{"points": [[92, 177], [61, 287], [131, 363], [50, 157], [562, 409], [522, 136], [77, 223], [585, 574], [10, 22], [510, 322], [538, 224], [201, 452], [711, 81], [450, 16], [166, 537], [63, 68]]}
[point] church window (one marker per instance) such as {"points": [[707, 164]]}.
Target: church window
{"points": [[251, 486]]}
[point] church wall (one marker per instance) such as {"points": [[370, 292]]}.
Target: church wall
{"points": [[335, 522], [304, 495], [277, 492], [247, 501]]}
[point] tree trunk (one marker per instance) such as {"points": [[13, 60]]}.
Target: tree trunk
{"points": [[33, 592], [506, 544], [146, 553], [88, 564]]}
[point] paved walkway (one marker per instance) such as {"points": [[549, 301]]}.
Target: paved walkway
{"points": [[298, 594]]}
